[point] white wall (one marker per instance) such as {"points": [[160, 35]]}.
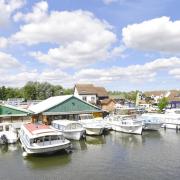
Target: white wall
{"points": [[89, 98]]}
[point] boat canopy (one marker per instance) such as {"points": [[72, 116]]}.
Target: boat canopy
{"points": [[66, 124]]}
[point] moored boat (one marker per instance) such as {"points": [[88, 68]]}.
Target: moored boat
{"points": [[38, 139], [171, 119], [126, 124], [8, 134], [70, 129], [92, 126], [151, 123]]}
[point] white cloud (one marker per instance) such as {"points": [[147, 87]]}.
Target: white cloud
{"points": [[81, 38], [7, 61], [7, 8], [134, 73], [21, 77], [3, 42], [160, 34], [175, 73], [39, 12]]}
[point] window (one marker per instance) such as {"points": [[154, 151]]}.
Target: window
{"points": [[92, 99], [1, 128], [7, 128], [84, 98]]}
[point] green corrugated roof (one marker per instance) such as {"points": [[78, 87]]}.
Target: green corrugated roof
{"points": [[7, 110], [72, 105]]}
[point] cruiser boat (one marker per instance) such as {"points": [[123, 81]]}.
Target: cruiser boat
{"points": [[8, 134], [92, 126], [70, 129], [126, 124], [151, 123], [172, 119], [39, 139]]}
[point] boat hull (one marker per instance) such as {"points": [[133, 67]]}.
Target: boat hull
{"points": [[74, 135], [46, 149], [152, 126], [94, 130], [128, 129]]}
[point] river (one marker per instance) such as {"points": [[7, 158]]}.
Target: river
{"points": [[115, 156]]}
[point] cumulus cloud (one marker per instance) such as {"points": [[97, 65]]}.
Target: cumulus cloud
{"points": [[22, 76], [134, 73], [39, 12], [159, 34], [80, 37], [3, 42], [7, 61], [7, 8], [175, 72]]}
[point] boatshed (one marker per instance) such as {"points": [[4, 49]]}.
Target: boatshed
{"points": [[62, 107], [13, 114]]}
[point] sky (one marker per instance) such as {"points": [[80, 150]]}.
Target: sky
{"points": [[122, 45]]}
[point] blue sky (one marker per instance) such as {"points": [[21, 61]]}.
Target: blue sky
{"points": [[119, 44]]}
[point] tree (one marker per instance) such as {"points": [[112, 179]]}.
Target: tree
{"points": [[3, 93], [30, 91], [163, 103]]}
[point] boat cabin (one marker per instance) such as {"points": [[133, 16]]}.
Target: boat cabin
{"points": [[41, 135], [63, 125]]}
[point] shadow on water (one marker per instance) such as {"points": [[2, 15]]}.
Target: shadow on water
{"points": [[45, 161]]}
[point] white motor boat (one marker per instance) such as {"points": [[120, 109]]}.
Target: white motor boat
{"points": [[126, 124], [8, 134], [92, 126], [38, 139], [171, 119], [151, 123], [70, 129]]}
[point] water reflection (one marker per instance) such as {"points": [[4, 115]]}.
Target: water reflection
{"points": [[61, 158], [132, 140], [151, 134], [95, 140], [129, 140], [5, 148], [79, 145]]}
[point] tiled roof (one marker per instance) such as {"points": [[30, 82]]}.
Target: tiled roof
{"points": [[106, 101], [84, 89], [174, 96]]}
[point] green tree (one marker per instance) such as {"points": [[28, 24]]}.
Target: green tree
{"points": [[3, 93], [30, 91], [162, 103]]}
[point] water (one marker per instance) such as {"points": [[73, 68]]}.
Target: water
{"points": [[116, 156]]}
